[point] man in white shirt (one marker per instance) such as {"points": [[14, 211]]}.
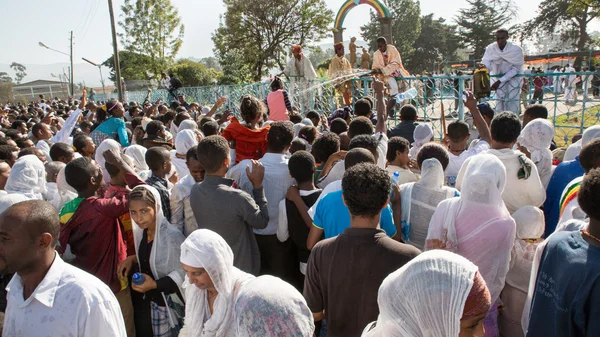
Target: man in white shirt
{"points": [[505, 59], [275, 256], [182, 215], [47, 296]]}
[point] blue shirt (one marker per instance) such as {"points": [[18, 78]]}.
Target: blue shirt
{"points": [[333, 217], [564, 173], [115, 126], [566, 300]]}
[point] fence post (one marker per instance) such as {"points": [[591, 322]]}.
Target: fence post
{"points": [[585, 89], [461, 104]]}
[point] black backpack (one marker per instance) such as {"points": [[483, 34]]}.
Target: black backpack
{"points": [[175, 83]]}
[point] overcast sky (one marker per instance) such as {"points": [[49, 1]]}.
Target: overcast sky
{"points": [[27, 22]]}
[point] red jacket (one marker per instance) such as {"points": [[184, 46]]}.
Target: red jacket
{"points": [[249, 144], [125, 219]]}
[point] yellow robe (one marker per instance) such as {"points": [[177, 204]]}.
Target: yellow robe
{"points": [[340, 66], [352, 48]]}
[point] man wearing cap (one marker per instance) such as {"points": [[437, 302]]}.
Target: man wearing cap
{"points": [[339, 69]]}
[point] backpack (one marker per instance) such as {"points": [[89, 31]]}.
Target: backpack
{"points": [[481, 82], [175, 83]]}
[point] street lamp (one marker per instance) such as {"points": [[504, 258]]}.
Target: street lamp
{"points": [[100, 69], [70, 56]]}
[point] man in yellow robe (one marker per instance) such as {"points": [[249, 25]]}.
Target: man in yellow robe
{"points": [[340, 68], [387, 65]]}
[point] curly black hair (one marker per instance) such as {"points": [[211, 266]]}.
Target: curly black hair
{"points": [[212, 152], [458, 131], [396, 144], [156, 156], [325, 146], [210, 128], [505, 127], [338, 126], [153, 127], [365, 142], [79, 171], [362, 107], [366, 189], [357, 156], [589, 194], [408, 113], [280, 136], [308, 133], [360, 126], [433, 150], [589, 156], [59, 150], [302, 166]]}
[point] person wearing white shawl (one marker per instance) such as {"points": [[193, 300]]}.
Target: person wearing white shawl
{"points": [[300, 71], [423, 134], [420, 199], [270, 307], [530, 229], [27, 177], [65, 191], [185, 140], [437, 294], [211, 285], [570, 85], [182, 215], [537, 137], [478, 226], [138, 154], [157, 249], [52, 195], [107, 144], [505, 59], [188, 124]]}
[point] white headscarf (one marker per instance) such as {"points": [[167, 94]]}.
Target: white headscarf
{"points": [[186, 139], [590, 134], [207, 249], [537, 137], [486, 232], [107, 144], [27, 177], [8, 200], [188, 124], [166, 248], [425, 298], [270, 307], [65, 191], [297, 128], [530, 225], [138, 154], [421, 135]]}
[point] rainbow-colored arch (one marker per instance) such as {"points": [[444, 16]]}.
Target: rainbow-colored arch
{"points": [[378, 5]]}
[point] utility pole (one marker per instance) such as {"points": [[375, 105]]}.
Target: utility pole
{"points": [[115, 50], [72, 78]]}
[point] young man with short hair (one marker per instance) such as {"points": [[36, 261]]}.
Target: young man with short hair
{"points": [[226, 210], [159, 161], [62, 152], [407, 125], [182, 216], [344, 273], [397, 157]]}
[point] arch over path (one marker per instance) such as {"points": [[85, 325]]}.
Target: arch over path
{"points": [[385, 18]]}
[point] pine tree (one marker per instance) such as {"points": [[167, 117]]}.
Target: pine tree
{"points": [[478, 23], [153, 28]]}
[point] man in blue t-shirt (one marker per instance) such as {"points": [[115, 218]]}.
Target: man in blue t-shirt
{"points": [[566, 299]]}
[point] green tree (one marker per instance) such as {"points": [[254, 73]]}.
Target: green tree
{"points": [[134, 67], [260, 32], [235, 69], [406, 27], [19, 70], [5, 78], [437, 42], [317, 56], [6, 92], [152, 28], [570, 18], [195, 74], [477, 24], [211, 62]]}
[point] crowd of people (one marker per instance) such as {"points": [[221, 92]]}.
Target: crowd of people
{"points": [[155, 219]]}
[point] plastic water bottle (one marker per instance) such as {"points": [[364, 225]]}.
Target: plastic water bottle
{"points": [[395, 179], [138, 279], [409, 94]]}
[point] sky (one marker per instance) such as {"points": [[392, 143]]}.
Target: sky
{"points": [[91, 25]]}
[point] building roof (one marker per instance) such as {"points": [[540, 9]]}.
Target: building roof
{"points": [[36, 83]]}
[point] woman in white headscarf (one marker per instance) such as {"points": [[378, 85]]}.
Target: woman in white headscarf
{"points": [[66, 193], [420, 199], [211, 285], [423, 134], [536, 137], [185, 140], [530, 229], [270, 307], [138, 154], [27, 177], [157, 247], [437, 294], [107, 144], [478, 226], [188, 124]]}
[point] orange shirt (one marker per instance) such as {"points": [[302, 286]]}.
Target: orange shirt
{"points": [[249, 144]]}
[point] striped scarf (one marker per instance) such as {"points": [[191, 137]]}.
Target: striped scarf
{"points": [[569, 194]]}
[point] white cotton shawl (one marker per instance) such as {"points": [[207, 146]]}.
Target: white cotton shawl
{"points": [[187, 124], [537, 137], [186, 139], [207, 249], [425, 298], [65, 191], [422, 135], [512, 54], [270, 307], [27, 177], [107, 144], [166, 248]]}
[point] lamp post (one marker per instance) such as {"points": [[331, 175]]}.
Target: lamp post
{"points": [[100, 69], [72, 84]]}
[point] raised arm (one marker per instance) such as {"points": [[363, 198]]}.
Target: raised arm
{"points": [[381, 110], [482, 127]]}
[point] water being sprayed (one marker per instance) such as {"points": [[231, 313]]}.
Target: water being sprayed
{"points": [[334, 82]]}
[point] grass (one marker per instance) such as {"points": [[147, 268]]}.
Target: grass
{"points": [[568, 125]]}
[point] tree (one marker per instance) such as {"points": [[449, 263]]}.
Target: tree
{"points": [[235, 69], [5, 78], [568, 17], [152, 28], [19, 70], [134, 67], [437, 42], [195, 74], [260, 33], [211, 62], [6, 92], [478, 23], [318, 55], [406, 27]]}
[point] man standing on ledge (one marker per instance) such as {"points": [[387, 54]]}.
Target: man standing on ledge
{"points": [[340, 68], [299, 68], [506, 60], [387, 64]]}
